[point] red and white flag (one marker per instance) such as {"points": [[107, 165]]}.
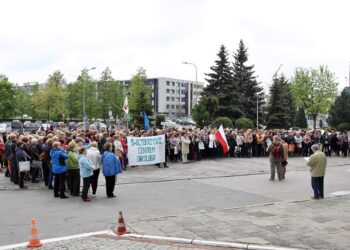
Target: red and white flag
{"points": [[221, 138], [126, 105]]}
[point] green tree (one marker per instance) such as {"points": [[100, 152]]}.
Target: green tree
{"points": [[110, 95], [314, 89], [300, 119], [226, 122], [247, 86], [24, 102], [222, 87], [140, 96], [74, 101], [7, 98], [340, 110], [50, 102], [204, 112], [244, 123], [281, 108]]}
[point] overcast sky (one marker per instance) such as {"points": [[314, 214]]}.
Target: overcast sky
{"points": [[38, 37]]}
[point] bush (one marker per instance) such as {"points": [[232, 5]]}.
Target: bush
{"points": [[343, 126], [244, 123], [224, 121]]}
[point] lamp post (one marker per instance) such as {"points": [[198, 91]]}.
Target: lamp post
{"points": [[84, 111], [196, 79]]}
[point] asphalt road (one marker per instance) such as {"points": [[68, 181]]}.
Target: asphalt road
{"points": [[138, 201]]}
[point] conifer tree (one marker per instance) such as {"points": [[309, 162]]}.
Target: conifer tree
{"points": [[244, 79], [222, 87], [340, 110], [300, 119], [281, 107]]}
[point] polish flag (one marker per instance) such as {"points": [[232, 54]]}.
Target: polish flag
{"points": [[126, 105], [221, 138]]}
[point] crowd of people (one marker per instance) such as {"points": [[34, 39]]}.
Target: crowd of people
{"points": [[67, 157]]}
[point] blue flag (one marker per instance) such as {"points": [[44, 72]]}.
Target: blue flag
{"points": [[146, 121]]}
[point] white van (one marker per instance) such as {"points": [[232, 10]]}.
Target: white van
{"points": [[5, 127]]}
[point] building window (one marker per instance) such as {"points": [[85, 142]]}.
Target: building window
{"points": [[177, 106], [167, 83], [183, 106], [168, 98], [172, 106], [168, 90], [173, 99], [172, 84], [167, 106], [183, 99], [173, 91]]}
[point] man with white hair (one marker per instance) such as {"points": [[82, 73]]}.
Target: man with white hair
{"points": [[317, 164], [276, 156]]}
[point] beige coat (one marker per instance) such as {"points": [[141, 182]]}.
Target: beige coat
{"points": [[185, 145], [317, 164]]}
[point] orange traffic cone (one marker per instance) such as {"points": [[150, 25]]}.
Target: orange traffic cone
{"points": [[34, 240], [121, 225]]}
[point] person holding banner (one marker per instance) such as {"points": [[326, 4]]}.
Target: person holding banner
{"points": [[111, 168], [166, 143]]}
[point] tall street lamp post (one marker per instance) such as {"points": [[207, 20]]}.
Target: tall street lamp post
{"points": [[196, 79], [84, 108]]}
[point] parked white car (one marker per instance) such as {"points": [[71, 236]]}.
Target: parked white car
{"points": [[98, 126], [5, 127]]}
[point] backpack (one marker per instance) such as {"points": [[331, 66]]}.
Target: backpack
{"points": [[277, 151]]}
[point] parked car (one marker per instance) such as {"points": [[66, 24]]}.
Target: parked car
{"points": [[72, 126], [30, 125], [45, 126], [98, 126], [169, 124], [80, 125], [5, 128], [16, 125]]}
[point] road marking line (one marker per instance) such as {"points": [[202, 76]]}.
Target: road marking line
{"points": [[340, 193], [57, 239]]}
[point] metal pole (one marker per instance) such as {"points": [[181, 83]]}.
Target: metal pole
{"points": [[349, 74], [84, 111], [257, 112], [84, 115], [196, 85], [196, 79]]}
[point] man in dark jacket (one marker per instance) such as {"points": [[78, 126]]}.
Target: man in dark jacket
{"points": [[10, 151], [21, 155]]}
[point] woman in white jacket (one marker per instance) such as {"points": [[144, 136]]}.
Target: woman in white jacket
{"points": [[185, 146], [94, 155]]}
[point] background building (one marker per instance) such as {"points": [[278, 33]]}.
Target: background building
{"points": [[173, 97]]}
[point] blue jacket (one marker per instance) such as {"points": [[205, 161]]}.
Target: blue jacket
{"points": [[57, 167], [86, 169], [111, 164]]}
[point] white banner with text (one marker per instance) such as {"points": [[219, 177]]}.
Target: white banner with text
{"points": [[146, 150]]}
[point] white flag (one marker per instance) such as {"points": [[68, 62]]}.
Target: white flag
{"points": [[126, 105]]}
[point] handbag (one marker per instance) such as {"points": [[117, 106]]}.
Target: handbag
{"points": [[24, 166], [176, 150], [42, 156], [36, 164]]}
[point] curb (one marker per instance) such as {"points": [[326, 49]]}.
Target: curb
{"points": [[24, 244], [209, 243]]}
